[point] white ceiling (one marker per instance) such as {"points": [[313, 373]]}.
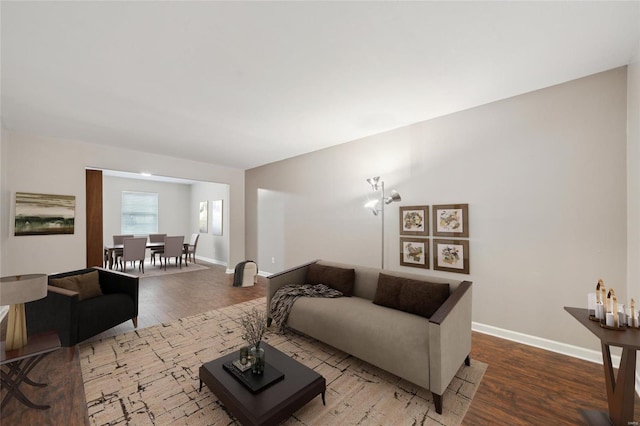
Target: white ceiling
{"points": [[248, 83]]}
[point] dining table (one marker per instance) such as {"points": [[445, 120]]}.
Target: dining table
{"points": [[110, 248]]}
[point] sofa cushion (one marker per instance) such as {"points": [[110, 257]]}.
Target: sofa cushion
{"points": [[340, 279], [86, 285], [414, 296]]}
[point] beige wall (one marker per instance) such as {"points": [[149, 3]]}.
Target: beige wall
{"points": [[54, 166], [543, 174]]}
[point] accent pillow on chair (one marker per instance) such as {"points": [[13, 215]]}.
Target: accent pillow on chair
{"points": [[87, 285]]}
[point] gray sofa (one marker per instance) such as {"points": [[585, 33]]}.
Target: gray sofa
{"points": [[425, 351]]}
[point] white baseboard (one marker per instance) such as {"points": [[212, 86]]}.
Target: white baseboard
{"points": [[550, 345], [209, 260]]}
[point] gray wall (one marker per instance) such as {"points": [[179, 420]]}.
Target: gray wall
{"points": [[543, 174]]}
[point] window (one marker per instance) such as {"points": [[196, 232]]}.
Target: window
{"points": [[139, 213]]}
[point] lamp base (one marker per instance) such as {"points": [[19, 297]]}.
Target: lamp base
{"points": [[16, 328]]}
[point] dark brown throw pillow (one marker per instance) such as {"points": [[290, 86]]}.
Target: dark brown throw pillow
{"points": [[87, 285], [340, 279], [68, 283], [414, 296]]}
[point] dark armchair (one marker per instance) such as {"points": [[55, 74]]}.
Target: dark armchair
{"points": [[76, 320]]}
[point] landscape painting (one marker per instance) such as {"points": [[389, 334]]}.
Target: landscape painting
{"points": [[44, 214]]}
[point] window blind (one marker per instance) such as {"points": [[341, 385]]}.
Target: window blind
{"points": [[139, 213]]}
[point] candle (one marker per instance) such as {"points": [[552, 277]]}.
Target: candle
{"points": [[603, 292], [600, 284], [622, 315], [634, 319], [616, 315], [610, 321], [599, 311], [591, 303]]}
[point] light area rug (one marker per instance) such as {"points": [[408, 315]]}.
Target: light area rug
{"points": [[151, 270], [150, 377]]}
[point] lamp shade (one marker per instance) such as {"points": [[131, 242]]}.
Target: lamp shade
{"points": [[373, 206], [374, 182], [22, 288], [394, 197]]}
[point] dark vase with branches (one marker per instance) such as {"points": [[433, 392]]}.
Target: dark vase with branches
{"points": [[254, 325]]}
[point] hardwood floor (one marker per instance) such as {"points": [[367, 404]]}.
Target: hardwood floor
{"points": [[522, 386]]}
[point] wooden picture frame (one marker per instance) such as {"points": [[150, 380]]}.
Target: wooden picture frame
{"points": [[451, 256], [414, 252], [451, 220], [414, 220], [44, 214]]}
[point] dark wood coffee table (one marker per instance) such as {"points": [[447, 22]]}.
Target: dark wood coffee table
{"points": [[272, 405]]}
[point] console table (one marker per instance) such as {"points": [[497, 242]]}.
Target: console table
{"points": [[620, 390], [19, 363]]}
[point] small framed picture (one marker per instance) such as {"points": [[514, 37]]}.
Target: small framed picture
{"points": [[203, 215], [414, 252], [414, 220], [451, 220], [451, 256]]}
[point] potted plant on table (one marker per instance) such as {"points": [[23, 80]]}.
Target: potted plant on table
{"points": [[254, 325]]}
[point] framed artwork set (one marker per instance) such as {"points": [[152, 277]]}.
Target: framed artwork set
{"points": [[448, 220]]}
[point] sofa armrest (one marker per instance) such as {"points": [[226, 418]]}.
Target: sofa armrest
{"points": [[295, 275], [450, 337], [57, 311], [119, 282]]}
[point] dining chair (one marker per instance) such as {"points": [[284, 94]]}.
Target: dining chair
{"points": [[190, 249], [135, 249], [173, 247], [119, 239], [156, 238]]}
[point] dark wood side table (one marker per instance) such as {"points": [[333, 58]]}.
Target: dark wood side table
{"points": [[620, 390], [20, 362]]}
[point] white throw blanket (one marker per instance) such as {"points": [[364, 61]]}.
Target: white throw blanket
{"points": [[283, 299]]}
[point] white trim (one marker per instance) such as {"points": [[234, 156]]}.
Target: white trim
{"points": [[214, 261], [549, 345], [4, 310]]}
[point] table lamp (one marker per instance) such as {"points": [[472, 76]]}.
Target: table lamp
{"points": [[15, 292]]}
